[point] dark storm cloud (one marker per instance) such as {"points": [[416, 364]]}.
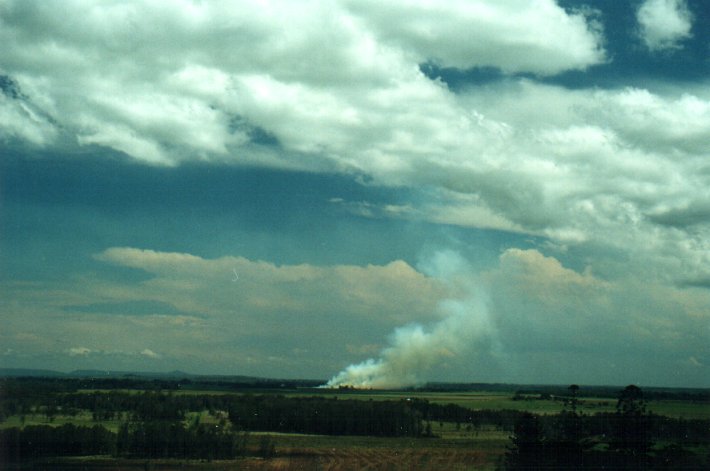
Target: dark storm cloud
{"points": [[10, 87], [692, 214]]}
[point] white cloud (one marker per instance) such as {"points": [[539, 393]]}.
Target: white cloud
{"points": [[664, 23], [162, 82], [337, 85], [149, 353], [249, 325], [625, 169], [542, 310], [599, 167], [513, 35], [379, 294], [84, 351], [79, 351]]}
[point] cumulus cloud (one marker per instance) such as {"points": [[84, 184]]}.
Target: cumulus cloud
{"points": [[268, 308], [664, 23], [619, 175], [336, 86], [542, 310], [165, 84], [513, 35], [621, 168], [598, 167], [195, 284]]}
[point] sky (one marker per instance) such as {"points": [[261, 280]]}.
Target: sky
{"points": [[370, 193]]}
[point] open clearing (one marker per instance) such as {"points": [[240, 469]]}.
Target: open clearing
{"points": [[304, 452]]}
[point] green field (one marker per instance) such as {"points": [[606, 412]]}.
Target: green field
{"points": [[485, 400]]}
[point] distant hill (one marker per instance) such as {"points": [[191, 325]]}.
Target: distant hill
{"points": [[143, 375], [27, 372], [129, 374]]}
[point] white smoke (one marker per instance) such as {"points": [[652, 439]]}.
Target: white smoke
{"points": [[414, 350]]}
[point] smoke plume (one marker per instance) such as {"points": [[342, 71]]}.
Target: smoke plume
{"points": [[414, 350]]}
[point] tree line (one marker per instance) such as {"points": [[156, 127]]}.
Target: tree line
{"points": [[154, 439], [325, 416], [629, 439], [156, 425], [658, 427]]}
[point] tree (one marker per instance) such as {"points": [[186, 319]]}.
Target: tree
{"points": [[570, 421], [527, 451], [573, 389], [631, 434]]}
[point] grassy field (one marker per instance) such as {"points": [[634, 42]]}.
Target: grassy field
{"points": [[314, 452], [368, 453], [308, 460], [81, 419], [681, 409]]}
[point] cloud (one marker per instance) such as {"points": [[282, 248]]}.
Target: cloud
{"points": [[694, 361], [543, 310], [616, 179], [214, 82], [115, 354], [446, 320], [664, 23], [79, 351], [513, 35], [620, 168], [19, 118], [195, 284], [165, 84], [150, 353], [591, 167], [251, 325]]}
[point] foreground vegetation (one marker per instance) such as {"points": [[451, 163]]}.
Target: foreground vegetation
{"points": [[66, 423]]}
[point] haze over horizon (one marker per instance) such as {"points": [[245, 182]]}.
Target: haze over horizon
{"points": [[380, 193]]}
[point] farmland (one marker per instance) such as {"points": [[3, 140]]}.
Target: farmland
{"points": [[179, 425]]}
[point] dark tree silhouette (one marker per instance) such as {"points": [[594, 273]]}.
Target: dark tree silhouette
{"points": [[527, 451], [573, 389], [631, 433]]}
